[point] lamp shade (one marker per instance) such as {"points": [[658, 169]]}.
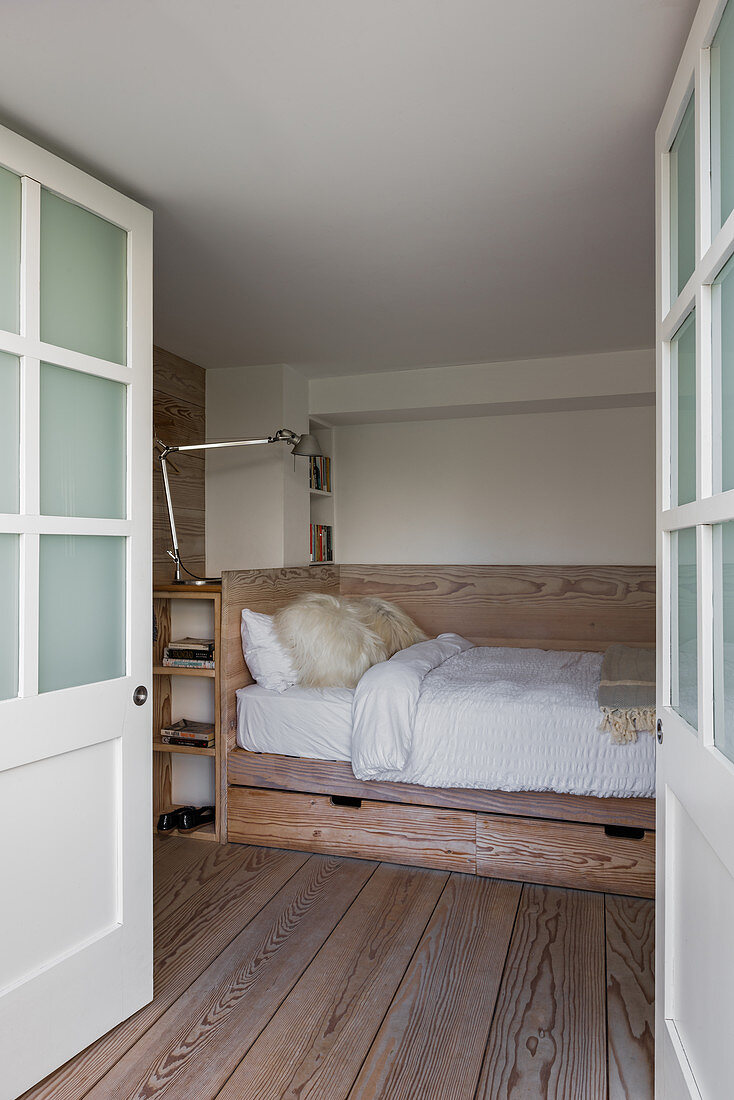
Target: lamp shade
{"points": [[307, 445]]}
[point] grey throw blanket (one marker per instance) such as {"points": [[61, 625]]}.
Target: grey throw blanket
{"points": [[627, 692]]}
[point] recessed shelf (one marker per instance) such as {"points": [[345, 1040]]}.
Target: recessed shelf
{"points": [[200, 832], [175, 689], [163, 670], [192, 750], [320, 492]]}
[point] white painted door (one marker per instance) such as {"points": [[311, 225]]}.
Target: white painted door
{"points": [[75, 617], [695, 776]]}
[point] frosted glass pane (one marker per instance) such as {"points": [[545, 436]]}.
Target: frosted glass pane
{"points": [[722, 119], [9, 431], [9, 250], [8, 616], [683, 413], [682, 204], [82, 444], [723, 341], [724, 638], [83, 280], [81, 610], [684, 625]]}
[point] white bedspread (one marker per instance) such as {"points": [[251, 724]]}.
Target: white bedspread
{"points": [[445, 714]]}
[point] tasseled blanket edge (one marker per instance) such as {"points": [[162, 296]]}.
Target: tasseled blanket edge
{"points": [[624, 723]]}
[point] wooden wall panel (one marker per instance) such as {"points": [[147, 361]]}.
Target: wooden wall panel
{"points": [[179, 416], [552, 607]]}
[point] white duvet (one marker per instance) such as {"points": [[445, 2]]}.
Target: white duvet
{"points": [[446, 714]]}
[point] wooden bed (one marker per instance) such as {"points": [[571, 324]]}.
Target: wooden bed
{"points": [[605, 844]]}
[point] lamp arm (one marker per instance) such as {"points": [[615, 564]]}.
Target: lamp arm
{"points": [[283, 435], [169, 505]]}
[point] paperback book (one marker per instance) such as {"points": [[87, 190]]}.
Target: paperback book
{"points": [[188, 742], [188, 662], [319, 474], [189, 649], [320, 543], [187, 728], [192, 643]]}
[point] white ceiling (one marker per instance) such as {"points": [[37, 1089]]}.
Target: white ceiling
{"points": [[350, 186]]}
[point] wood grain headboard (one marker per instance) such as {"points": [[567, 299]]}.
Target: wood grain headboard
{"points": [[544, 606]]}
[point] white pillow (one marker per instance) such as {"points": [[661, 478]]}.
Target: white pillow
{"points": [[268, 661]]}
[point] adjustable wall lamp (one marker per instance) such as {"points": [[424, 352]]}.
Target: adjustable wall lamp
{"points": [[302, 445]]}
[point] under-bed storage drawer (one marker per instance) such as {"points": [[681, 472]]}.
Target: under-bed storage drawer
{"points": [[423, 836], [561, 853]]}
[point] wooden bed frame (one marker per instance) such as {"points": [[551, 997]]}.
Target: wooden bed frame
{"points": [[605, 844]]}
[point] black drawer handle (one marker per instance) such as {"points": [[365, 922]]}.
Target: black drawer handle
{"points": [[626, 831], [345, 800]]}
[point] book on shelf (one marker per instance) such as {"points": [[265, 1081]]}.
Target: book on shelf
{"points": [[186, 727], [190, 649], [320, 543], [189, 654], [187, 662], [319, 473], [191, 742], [192, 643], [188, 742]]}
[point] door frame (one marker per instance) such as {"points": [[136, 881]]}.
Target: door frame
{"points": [[57, 995], [684, 752]]}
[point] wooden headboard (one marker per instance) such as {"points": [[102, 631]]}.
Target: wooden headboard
{"points": [[544, 606], [536, 606]]}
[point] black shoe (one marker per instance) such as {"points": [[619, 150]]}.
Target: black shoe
{"points": [[192, 818], [173, 819]]}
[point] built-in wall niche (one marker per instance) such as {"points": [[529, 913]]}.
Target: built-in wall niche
{"points": [[192, 777], [322, 497], [184, 777]]}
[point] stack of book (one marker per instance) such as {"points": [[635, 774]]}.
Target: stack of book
{"points": [[319, 473], [189, 653], [193, 735], [320, 542]]}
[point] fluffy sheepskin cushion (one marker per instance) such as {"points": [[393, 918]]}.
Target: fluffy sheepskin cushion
{"points": [[397, 630], [333, 640]]}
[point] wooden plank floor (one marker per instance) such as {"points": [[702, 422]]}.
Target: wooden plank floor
{"points": [[282, 974]]}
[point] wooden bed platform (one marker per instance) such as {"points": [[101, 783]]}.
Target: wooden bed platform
{"points": [[604, 844]]}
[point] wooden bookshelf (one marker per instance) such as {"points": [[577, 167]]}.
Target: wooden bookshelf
{"points": [[162, 690]]}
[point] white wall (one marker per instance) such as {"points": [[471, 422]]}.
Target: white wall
{"points": [[549, 488], [423, 473], [256, 502]]}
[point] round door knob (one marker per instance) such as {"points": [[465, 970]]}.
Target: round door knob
{"points": [[140, 695], [660, 731]]}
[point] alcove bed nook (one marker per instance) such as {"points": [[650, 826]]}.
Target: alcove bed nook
{"points": [[592, 843]]}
